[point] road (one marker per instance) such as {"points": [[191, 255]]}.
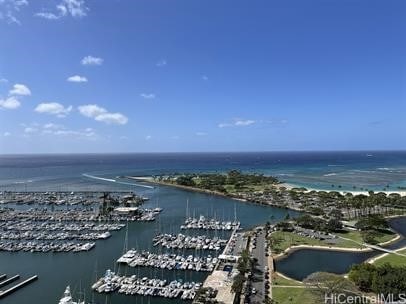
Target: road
{"points": [[258, 279]]}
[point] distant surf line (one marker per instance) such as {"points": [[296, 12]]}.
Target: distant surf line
{"points": [[115, 181]]}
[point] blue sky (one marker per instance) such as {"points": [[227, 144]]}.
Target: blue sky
{"points": [[146, 75]]}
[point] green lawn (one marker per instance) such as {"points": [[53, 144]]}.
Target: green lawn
{"points": [[281, 281], [393, 259], [286, 295], [356, 236], [287, 239]]}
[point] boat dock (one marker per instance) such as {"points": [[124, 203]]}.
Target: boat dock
{"points": [[209, 224], [168, 261], [134, 285], [10, 280], [16, 287], [181, 241]]}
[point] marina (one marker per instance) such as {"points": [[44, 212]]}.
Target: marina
{"points": [[72, 198], [209, 224], [95, 214], [181, 241], [38, 246], [133, 285], [168, 261], [6, 292]]}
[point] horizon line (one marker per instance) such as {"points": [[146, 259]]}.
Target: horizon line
{"points": [[203, 152]]}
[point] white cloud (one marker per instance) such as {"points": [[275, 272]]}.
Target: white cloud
{"points": [[87, 133], [112, 118], [101, 114], [148, 96], [53, 108], [30, 130], [201, 133], [6, 134], [73, 8], [224, 125], [161, 63], [76, 8], [9, 8], [148, 137], [90, 60], [77, 78], [244, 122], [53, 126], [47, 15], [91, 110], [237, 123], [10, 103], [20, 89]]}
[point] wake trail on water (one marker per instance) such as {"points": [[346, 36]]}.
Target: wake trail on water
{"points": [[115, 181]]}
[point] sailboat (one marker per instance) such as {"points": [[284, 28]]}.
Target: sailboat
{"points": [[67, 298]]}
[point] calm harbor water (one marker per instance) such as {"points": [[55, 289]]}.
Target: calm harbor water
{"points": [[56, 270], [66, 173]]}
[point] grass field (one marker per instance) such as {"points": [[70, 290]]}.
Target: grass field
{"points": [[286, 239], [357, 237], [281, 281], [286, 295], [393, 259]]}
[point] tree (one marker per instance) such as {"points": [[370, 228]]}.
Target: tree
{"points": [[238, 282], [385, 279], [324, 283], [362, 275], [372, 222], [334, 225]]}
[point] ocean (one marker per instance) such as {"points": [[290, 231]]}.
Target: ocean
{"points": [[106, 172], [372, 170]]}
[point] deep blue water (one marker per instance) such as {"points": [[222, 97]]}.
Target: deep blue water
{"points": [[367, 169]]}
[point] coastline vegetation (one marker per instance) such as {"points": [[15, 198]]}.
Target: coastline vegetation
{"points": [[330, 219], [385, 279], [268, 190]]}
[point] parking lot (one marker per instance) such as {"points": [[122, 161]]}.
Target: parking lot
{"points": [[258, 278]]}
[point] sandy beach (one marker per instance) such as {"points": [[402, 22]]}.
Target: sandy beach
{"points": [[343, 192]]}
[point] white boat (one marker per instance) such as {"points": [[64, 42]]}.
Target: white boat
{"points": [[67, 298]]}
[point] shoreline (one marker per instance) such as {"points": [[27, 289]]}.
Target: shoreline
{"points": [[205, 191], [372, 260], [290, 186], [294, 248]]}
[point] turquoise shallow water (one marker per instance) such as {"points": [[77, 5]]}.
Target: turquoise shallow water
{"points": [[365, 169]]}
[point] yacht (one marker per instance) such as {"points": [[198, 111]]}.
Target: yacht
{"points": [[67, 298]]}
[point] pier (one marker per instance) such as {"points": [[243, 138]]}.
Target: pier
{"points": [[17, 286], [10, 280], [181, 241], [134, 285], [168, 261], [209, 224]]}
